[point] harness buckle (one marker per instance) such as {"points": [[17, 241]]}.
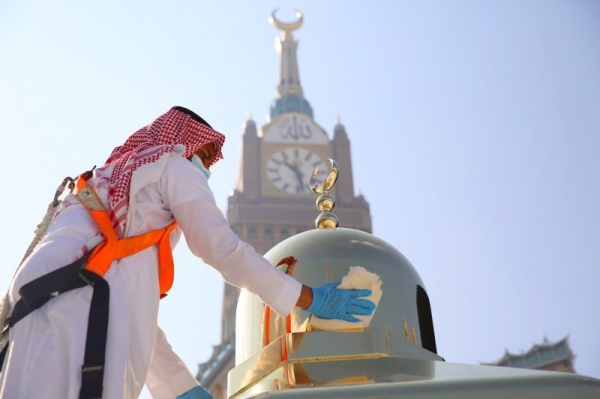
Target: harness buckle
{"points": [[89, 277], [91, 382], [91, 369]]}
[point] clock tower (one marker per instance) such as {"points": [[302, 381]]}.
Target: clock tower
{"points": [[272, 200]]}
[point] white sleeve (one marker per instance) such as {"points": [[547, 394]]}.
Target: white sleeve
{"points": [[168, 376], [186, 193]]}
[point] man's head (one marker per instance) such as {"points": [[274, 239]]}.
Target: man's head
{"points": [[207, 151], [178, 126], [210, 152]]}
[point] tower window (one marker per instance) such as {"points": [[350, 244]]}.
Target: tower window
{"points": [[284, 233], [252, 234], [269, 233]]}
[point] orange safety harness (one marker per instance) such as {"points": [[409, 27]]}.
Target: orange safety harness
{"points": [[89, 271], [113, 248]]}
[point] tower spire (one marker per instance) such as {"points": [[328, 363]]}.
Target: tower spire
{"points": [[290, 97]]}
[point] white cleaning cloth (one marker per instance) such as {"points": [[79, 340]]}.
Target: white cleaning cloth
{"points": [[358, 278]]}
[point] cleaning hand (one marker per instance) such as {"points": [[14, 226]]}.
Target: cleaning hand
{"points": [[331, 303]]}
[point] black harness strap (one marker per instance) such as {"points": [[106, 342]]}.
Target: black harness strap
{"points": [[92, 371], [39, 291]]}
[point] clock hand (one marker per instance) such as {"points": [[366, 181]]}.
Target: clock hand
{"points": [[293, 168], [299, 175]]}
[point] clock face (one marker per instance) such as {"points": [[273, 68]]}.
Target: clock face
{"points": [[290, 170]]}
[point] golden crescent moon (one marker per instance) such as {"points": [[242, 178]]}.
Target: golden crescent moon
{"points": [[287, 27], [329, 181]]}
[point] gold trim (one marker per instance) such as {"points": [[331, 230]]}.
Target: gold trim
{"points": [[414, 336]]}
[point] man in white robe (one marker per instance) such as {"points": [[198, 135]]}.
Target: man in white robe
{"points": [[145, 185]]}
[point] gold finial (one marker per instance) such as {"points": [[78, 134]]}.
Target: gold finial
{"points": [[406, 330], [325, 202]]}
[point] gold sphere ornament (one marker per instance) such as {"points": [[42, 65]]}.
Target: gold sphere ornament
{"points": [[325, 202]]}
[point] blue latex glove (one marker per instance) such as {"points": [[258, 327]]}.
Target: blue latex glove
{"points": [[331, 303], [196, 393]]}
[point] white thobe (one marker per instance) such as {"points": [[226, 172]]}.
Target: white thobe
{"points": [[46, 347]]}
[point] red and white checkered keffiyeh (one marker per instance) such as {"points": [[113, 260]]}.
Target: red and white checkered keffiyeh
{"points": [[147, 145]]}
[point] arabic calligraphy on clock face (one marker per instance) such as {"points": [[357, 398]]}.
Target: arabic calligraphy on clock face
{"points": [[295, 129]]}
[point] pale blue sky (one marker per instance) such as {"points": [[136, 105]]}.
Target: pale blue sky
{"points": [[475, 132]]}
